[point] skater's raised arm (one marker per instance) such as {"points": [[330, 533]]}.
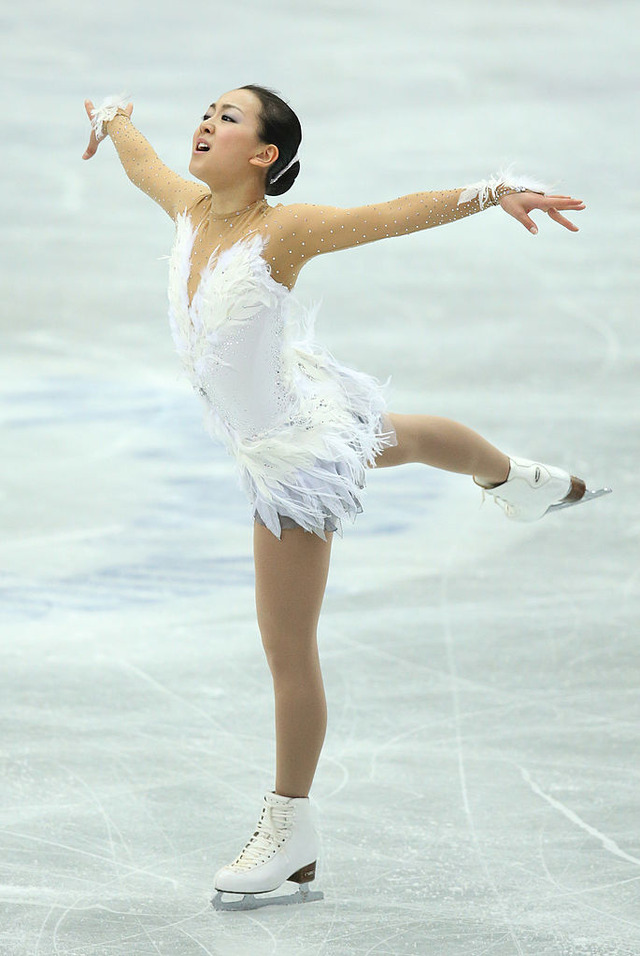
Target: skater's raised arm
{"points": [[140, 161]]}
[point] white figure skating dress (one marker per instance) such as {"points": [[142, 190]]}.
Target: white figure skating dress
{"points": [[301, 427]]}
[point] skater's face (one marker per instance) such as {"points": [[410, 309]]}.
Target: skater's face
{"points": [[229, 128]]}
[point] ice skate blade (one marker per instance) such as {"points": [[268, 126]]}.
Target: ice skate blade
{"points": [[587, 496], [253, 901]]}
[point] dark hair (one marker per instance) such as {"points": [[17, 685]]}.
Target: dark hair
{"points": [[278, 125]]}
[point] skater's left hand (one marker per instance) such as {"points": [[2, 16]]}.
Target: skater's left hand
{"points": [[519, 205]]}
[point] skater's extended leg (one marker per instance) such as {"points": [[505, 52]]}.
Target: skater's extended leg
{"points": [[291, 574], [526, 490], [443, 443]]}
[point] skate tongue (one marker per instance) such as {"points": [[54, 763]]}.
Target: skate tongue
{"points": [[274, 827]]}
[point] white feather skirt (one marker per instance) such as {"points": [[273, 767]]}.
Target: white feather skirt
{"points": [[301, 427]]}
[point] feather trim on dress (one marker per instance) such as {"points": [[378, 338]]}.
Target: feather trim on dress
{"points": [[301, 427]]}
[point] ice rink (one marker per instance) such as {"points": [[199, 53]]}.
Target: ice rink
{"points": [[478, 794]]}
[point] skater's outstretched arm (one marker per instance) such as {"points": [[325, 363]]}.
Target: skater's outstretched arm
{"points": [[142, 164], [311, 230]]}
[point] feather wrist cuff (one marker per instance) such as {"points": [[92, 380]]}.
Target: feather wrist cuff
{"points": [[489, 192], [106, 111]]}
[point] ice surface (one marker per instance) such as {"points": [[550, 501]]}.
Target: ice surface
{"points": [[478, 792]]}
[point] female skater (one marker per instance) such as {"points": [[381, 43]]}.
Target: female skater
{"points": [[301, 427]]}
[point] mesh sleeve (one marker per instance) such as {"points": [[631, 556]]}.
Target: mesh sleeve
{"points": [[299, 231], [147, 171]]}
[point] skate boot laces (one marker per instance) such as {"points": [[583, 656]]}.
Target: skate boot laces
{"points": [[506, 506], [274, 829]]}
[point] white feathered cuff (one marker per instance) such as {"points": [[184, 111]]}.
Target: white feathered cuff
{"points": [[490, 191], [106, 111]]}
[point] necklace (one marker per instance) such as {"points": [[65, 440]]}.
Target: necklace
{"points": [[239, 212]]}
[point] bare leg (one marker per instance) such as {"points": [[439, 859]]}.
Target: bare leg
{"points": [[291, 574], [445, 444]]}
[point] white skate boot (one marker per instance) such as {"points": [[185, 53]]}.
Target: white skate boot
{"points": [[532, 489], [284, 847]]}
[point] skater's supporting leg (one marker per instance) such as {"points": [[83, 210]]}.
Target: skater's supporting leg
{"points": [[445, 444], [291, 574]]}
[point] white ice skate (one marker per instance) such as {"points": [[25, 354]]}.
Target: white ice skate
{"points": [[532, 489], [284, 847]]}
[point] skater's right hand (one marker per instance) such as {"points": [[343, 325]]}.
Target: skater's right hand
{"points": [[93, 140]]}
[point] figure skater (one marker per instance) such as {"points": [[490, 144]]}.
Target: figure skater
{"points": [[302, 428]]}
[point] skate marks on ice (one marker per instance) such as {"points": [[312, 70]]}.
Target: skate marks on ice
{"points": [[517, 934], [610, 845], [501, 905]]}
